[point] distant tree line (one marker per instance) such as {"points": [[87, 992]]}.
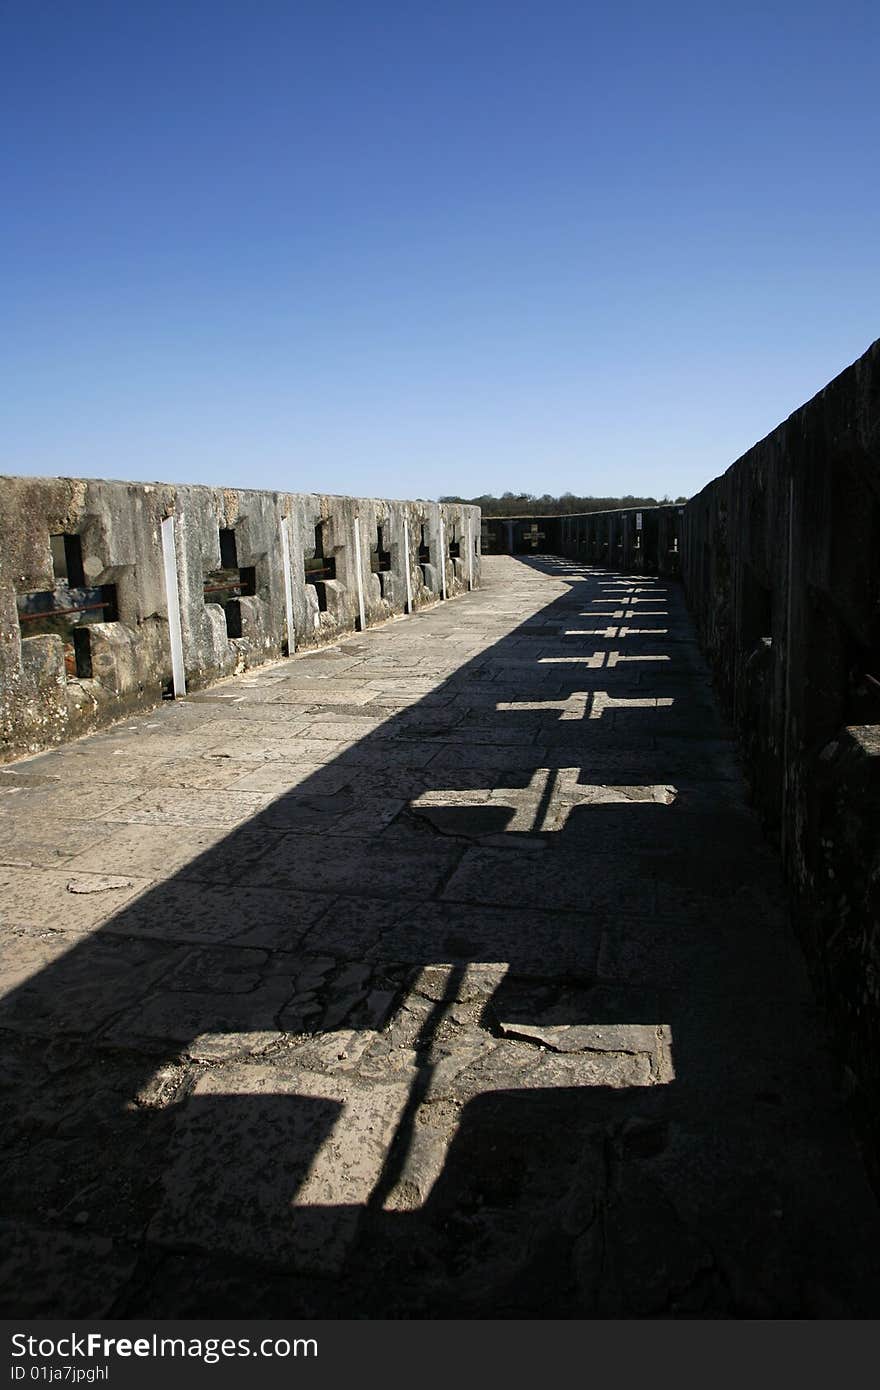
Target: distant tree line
{"points": [[527, 504]]}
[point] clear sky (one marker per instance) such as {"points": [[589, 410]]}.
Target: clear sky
{"points": [[417, 248]]}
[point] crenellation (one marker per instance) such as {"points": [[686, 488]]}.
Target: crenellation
{"points": [[85, 637]]}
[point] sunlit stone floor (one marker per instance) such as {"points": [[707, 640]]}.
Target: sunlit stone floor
{"points": [[440, 972]]}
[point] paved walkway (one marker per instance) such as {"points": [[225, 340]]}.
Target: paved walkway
{"points": [[441, 972]]}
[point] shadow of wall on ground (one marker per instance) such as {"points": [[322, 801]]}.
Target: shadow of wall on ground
{"points": [[353, 931]]}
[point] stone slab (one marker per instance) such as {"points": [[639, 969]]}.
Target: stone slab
{"points": [[278, 776], [64, 802], [276, 1168], [61, 988], [359, 871], [61, 1274], [149, 851], [61, 898], [176, 807], [45, 841], [191, 912], [547, 943], [556, 880]]}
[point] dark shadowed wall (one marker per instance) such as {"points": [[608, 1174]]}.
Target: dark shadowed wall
{"points": [[782, 571]]}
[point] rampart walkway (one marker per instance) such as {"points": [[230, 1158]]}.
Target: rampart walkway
{"points": [[444, 971]]}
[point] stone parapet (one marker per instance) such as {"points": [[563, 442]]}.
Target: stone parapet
{"points": [[782, 573], [97, 578], [639, 540]]}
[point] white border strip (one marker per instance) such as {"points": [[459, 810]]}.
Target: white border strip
{"points": [[357, 566], [406, 572], [470, 546], [172, 598], [284, 527], [442, 559]]}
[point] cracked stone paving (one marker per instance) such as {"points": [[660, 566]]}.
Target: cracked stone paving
{"points": [[441, 972]]}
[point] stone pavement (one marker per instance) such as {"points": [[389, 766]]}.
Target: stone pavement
{"points": [[442, 972]]}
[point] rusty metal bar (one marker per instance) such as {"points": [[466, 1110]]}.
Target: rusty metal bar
{"points": [[62, 612], [221, 588]]}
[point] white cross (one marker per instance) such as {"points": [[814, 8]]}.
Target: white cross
{"points": [[597, 660], [549, 799], [625, 613], [611, 632], [626, 597], [633, 589], [584, 704]]}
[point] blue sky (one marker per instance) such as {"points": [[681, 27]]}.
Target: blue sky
{"points": [[409, 249]]}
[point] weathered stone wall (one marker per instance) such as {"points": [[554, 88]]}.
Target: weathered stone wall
{"points": [[643, 540], [233, 596], [782, 571], [640, 540]]}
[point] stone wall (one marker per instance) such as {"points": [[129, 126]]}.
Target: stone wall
{"points": [[638, 539], [782, 571], [84, 605]]}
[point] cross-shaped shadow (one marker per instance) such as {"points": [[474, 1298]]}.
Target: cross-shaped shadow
{"points": [[493, 1012]]}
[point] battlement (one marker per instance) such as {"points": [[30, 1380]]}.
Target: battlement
{"points": [[114, 594]]}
